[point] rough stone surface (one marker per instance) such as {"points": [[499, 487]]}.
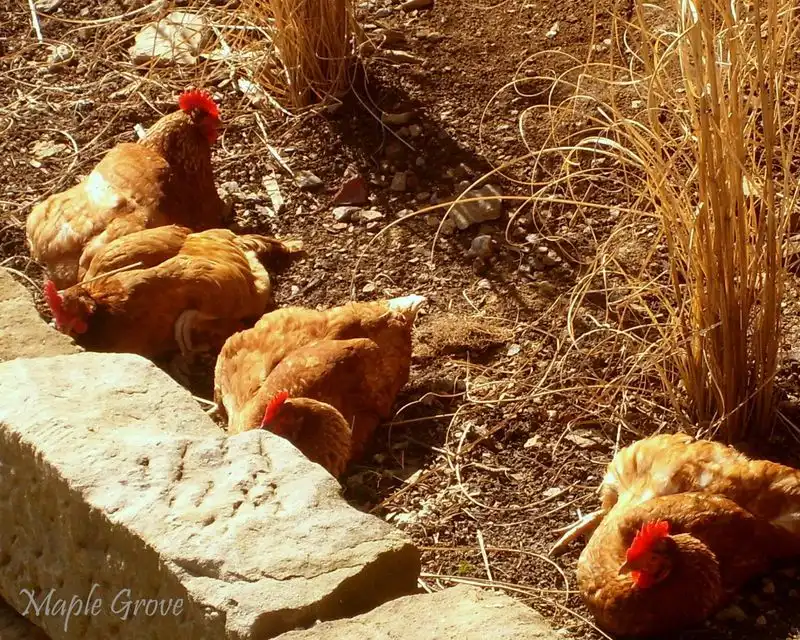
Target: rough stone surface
{"points": [[177, 38], [460, 613], [111, 475], [23, 333], [14, 627]]}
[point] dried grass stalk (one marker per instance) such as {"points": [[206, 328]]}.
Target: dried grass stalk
{"points": [[696, 111], [314, 42]]}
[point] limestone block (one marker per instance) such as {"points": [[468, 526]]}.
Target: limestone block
{"points": [[23, 332], [460, 613], [117, 487]]}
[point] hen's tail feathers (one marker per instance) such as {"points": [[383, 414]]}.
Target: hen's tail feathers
{"points": [[407, 305], [267, 248]]}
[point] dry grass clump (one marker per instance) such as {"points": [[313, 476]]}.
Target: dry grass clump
{"points": [[691, 136], [312, 45]]}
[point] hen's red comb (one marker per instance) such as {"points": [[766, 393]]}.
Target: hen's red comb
{"points": [[197, 99], [274, 406], [54, 301], [648, 534]]}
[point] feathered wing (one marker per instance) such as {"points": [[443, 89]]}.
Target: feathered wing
{"points": [[125, 185], [146, 248]]}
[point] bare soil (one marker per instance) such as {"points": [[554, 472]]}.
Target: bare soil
{"points": [[483, 460]]}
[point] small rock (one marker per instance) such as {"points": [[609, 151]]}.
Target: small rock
{"points": [[552, 491], [534, 441], [549, 258], [399, 181], [468, 213], [733, 613], [412, 5], [371, 215], [48, 6], [553, 31], [581, 441], [369, 287], [353, 189], [481, 247], [345, 214], [397, 119], [177, 38], [274, 193], [307, 180], [399, 57], [46, 149], [513, 350], [60, 55]]}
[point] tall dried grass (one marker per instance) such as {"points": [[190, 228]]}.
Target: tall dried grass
{"points": [[313, 45], [693, 130]]}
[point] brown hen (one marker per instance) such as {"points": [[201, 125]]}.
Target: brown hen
{"points": [[669, 464], [670, 562], [322, 379], [151, 292], [165, 178]]}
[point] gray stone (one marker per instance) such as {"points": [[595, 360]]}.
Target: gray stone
{"points": [[23, 332], [345, 214], [14, 627], [178, 38], [111, 475], [460, 613], [468, 213], [307, 180]]}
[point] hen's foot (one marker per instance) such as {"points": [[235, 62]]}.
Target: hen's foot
{"points": [[586, 525]]}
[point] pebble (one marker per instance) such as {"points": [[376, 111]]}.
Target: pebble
{"points": [[48, 6], [481, 247], [468, 213], [397, 119], [733, 612], [412, 5], [553, 31], [369, 287], [307, 180], [59, 55], [371, 215], [399, 181], [345, 214]]}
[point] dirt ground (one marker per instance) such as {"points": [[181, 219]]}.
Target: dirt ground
{"points": [[488, 454]]}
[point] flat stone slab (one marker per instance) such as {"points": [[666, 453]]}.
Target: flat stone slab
{"points": [[460, 613], [14, 627], [23, 332], [117, 487]]}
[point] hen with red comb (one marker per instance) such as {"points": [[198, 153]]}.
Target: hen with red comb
{"points": [[324, 380], [165, 178], [682, 525], [199, 100]]}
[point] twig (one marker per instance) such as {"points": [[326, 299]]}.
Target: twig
{"points": [[35, 20], [484, 556]]}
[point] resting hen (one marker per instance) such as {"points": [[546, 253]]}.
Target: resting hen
{"points": [[324, 380], [153, 291], [669, 464], [165, 178], [670, 562]]}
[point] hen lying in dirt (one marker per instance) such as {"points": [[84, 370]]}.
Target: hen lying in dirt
{"points": [[321, 379], [730, 515], [153, 291], [165, 178]]}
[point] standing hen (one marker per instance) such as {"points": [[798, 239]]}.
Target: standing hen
{"points": [[670, 562], [165, 178], [321, 379], [151, 292]]}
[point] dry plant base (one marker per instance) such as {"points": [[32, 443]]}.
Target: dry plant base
{"points": [[311, 47], [697, 107]]}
